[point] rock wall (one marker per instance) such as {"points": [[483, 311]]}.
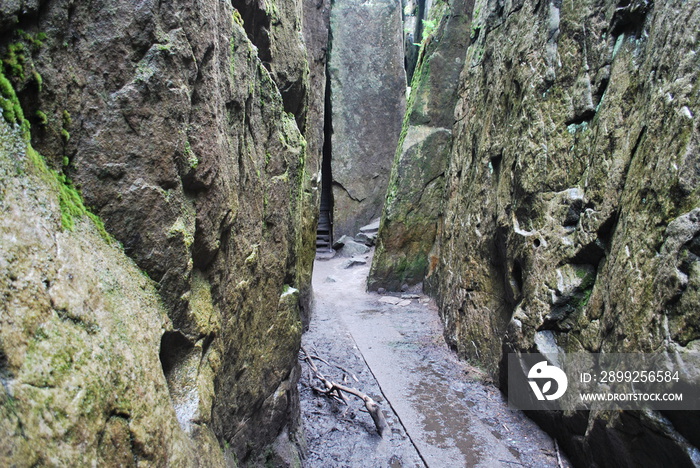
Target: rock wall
{"points": [[368, 87], [569, 213], [80, 328], [180, 124], [414, 197], [316, 31]]}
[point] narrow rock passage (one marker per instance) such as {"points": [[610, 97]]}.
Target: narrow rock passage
{"points": [[441, 411]]}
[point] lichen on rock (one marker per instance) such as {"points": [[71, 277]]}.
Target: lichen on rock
{"points": [[181, 135], [80, 327], [570, 194]]}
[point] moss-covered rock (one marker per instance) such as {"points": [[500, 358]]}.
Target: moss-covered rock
{"points": [[186, 138], [414, 197], [570, 201], [80, 329], [412, 209]]}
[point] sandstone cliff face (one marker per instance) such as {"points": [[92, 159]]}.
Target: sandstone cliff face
{"points": [[569, 213], [80, 328], [414, 198], [368, 87], [316, 27], [180, 123]]}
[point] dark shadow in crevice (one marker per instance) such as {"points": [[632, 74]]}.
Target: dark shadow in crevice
{"points": [[629, 17], [174, 349], [585, 116], [412, 42], [594, 252], [256, 23], [324, 235], [496, 165], [5, 373], [517, 275]]}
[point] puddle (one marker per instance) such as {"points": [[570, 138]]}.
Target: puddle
{"points": [[445, 419]]}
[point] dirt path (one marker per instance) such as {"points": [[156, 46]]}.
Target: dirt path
{"points": [[440, 410]]}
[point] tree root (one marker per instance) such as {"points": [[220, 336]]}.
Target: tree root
{"points": [[335, 390]]}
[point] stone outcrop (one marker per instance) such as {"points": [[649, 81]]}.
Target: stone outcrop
{"points": [[180, 124], [414, 196], [368, 87], [569, 212], [80, 328]]}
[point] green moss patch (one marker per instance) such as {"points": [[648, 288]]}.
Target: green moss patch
{"points": [[70, 200]]}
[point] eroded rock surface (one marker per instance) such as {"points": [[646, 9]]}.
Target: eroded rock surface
{"points": [[571, 193], [316, 26], [181, 123], [80, 328], [368, 87], [414, 197]]}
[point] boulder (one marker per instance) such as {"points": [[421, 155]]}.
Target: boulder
{"points": [[351, 262], [368, 239], [372, 227], [352, 249], [339, 243]]}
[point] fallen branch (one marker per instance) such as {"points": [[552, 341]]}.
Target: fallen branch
{"points": [[336, 390], [329, 386], [374, 409], [318, 358]]}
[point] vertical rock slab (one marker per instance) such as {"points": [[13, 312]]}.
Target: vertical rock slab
{"points": [[413, 204], [184, 136], [368, 87], [316, 34]]}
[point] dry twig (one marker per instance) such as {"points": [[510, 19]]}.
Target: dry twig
{"points": [[336, 390], [318, 358]]}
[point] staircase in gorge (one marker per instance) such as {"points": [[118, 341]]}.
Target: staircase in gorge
{"points": [[324, 233]]}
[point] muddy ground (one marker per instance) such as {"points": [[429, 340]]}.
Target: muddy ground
{"points": [[441, 411]]}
